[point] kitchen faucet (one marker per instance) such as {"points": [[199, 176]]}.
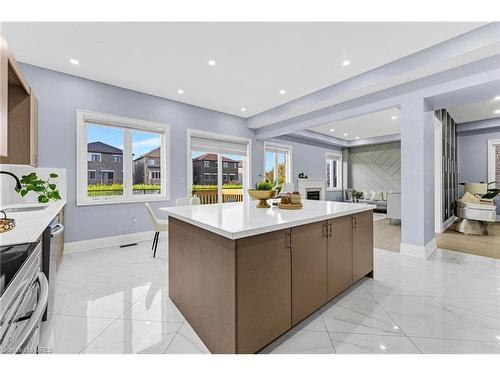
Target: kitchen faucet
{"points": [[18, 183]]}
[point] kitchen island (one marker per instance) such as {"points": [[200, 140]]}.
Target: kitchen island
{"points": [[242, 276]]}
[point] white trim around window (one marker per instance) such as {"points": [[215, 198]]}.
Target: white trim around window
{"points": [[492, 144], [278, 148], [334, 156], [128, 125]]}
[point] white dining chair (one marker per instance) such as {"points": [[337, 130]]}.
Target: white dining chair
{"points": [[188, 201], [158, 225]]}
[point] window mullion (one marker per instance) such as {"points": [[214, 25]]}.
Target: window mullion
{"points": [[127, 163]]}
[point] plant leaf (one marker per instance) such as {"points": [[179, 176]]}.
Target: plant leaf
{"points": [[42, 199], [53, 175], [52, 186], [23, 192]]}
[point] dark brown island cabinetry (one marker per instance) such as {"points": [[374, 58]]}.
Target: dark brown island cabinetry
{"points": [[240, 295]]}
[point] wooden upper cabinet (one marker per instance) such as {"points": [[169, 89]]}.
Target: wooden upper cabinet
{"points": [[19, 113], [264, 290], [362, 241], [339, 255], [33, 129], [309, 269], [3, 97]]}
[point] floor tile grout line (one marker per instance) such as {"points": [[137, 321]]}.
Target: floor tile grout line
{"points": [[463, 320], [98, 335], [173, 338], [392, 319], [329, 337]]}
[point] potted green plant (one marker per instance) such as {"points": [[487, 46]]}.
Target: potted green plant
{"points": [[263, 191], [356, 196], [45, 189]]}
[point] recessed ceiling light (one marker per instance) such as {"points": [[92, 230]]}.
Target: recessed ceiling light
{"points": [[497, 111], [180, 91], [395, 327], [394, 117], [497, 97], [346, 63], [282, 91], [243, 109], [346, 134], [74, 61], [332, 130], [212, 62], [357, 137], [382, 347]]}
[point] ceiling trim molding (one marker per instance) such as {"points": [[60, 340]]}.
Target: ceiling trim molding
{"points": [[450, 48], [468, 75], [472, 126]]}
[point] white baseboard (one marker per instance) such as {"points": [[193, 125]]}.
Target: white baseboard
{"points": [[422, 252], [102, 242], [447, 223]]}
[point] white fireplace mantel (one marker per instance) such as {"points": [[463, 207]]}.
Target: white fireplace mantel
{"points": [[312, 184]]}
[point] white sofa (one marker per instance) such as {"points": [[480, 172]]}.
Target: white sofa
{"points": [[377, 198]]}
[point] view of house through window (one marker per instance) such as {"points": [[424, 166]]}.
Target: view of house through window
{"points": [[104, 169], [213, 184], [146, 162], [122, 162]]}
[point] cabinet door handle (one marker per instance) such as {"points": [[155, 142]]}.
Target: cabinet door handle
{"points": [[354, 222], [288, 240], [325, 230], [330, 227]]}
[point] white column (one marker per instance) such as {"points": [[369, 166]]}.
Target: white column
{"points": [[417, 178]]}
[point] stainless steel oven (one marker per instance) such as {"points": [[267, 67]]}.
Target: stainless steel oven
{"points": [[23, 298]]}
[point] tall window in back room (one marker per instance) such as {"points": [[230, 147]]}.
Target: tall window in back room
{"points": [[121, 159], [333, 171], [277, 162]]}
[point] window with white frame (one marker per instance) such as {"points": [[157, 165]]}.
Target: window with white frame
{"points": [[110, 159], [333, 171], [277, 162], [494, 162]]}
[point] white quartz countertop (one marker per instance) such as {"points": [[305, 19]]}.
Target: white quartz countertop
{"points": [[244, 219], [29, 224]]}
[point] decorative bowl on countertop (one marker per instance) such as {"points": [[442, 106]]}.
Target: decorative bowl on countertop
{"points": [[6, 223], [262, 196]]}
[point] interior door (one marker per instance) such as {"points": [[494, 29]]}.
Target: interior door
{"points": [[309, 269], [339, 255], [362, 241]]}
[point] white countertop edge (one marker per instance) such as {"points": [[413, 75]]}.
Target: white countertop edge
{"points": [[30, 225], [253, 232]]}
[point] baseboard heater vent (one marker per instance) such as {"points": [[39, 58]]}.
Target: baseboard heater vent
{"points": [[129, 244]]}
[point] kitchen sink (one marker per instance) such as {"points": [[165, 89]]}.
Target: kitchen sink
{"points": [[24, 209]]}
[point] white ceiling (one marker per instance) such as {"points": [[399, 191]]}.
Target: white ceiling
{"points": [[368, 126], [254, 60], [476, 111]]}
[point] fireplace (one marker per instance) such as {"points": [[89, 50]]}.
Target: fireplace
{"points": [[312, 188], [313, 194]]}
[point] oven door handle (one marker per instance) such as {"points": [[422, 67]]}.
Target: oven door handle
{"points": [[57, 232], [36, 316]]}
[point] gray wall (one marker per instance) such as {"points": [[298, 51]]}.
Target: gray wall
{"points": [[375, 167], [305, 158], [60, 95], [473, 156]]}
